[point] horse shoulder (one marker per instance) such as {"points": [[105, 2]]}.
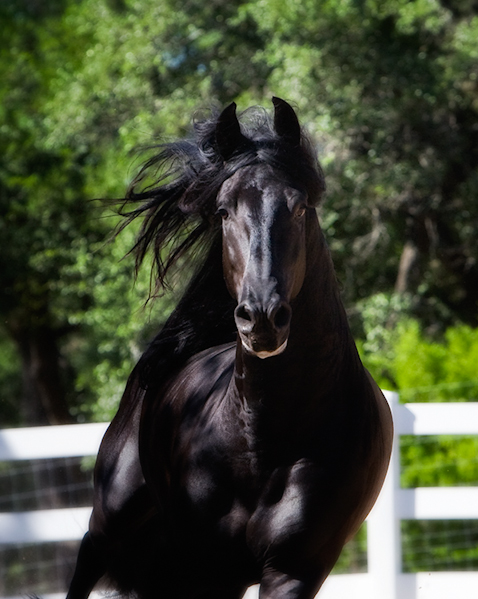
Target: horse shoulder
{"points": [[182, 426], [385, 414], [119, 478]]}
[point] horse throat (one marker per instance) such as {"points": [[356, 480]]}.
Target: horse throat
{"points": [[319, 348]]}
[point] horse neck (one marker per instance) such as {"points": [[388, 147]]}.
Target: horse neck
{"points": [[321, 353], [320, 328]]}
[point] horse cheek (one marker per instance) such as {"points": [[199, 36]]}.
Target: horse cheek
{"points": [[298, 269], [234, 265]]}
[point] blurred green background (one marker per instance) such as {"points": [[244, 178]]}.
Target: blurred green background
{"points": [[388, 89]]}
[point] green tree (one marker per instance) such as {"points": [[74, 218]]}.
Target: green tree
{"points": [[83, 83], [48, 224], [421, 366], [41, 208], [389, 89], [393, 86]]}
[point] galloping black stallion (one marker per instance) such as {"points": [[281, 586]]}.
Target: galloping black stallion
{"points": [[250, 442]]}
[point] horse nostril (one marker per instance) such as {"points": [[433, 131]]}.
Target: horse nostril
{"points": [[244, 318], [264, 324], [243, 313], [281, 318]]}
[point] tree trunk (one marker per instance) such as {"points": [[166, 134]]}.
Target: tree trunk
{"points": [[408, 261], [44, 396]]}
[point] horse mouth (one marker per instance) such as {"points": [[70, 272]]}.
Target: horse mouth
{"points": [[262, 353]]}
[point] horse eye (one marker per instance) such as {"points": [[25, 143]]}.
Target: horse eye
{"points": [[223, 213]]}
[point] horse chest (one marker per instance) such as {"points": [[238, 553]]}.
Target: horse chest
{"points": [[237, 500]]}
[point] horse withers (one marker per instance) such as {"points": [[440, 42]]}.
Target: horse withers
{"points": [[250, 443]]}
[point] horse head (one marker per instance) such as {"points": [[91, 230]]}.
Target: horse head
{"points": [[263, 211]]}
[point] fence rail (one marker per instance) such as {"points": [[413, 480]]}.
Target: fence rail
{"points": [[384, 578]]}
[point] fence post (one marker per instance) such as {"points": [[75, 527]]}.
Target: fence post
{"points": [[384, 550]]}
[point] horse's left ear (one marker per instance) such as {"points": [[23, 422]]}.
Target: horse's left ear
{"points": [[286, 122]]}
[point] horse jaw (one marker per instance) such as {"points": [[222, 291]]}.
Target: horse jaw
{"points": [[263, 354]]}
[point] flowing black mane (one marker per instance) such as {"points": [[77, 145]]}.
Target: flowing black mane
{"points": [[175, 193]]}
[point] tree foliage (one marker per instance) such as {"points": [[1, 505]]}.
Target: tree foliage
{"points": [[420, 366], [393, 84], [388, 88]]}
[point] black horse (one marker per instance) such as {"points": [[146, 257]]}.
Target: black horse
{"points": [[250, 443]]}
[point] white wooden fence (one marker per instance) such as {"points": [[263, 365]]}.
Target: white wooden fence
{"points": [[384, 578]]}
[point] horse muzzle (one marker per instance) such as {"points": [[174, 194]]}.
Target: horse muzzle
{"points": [[263, 331]]}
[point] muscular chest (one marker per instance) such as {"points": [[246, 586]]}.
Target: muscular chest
{"points": [[236, 498]]}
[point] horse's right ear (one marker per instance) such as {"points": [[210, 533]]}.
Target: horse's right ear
{"points": [[229, 137]]}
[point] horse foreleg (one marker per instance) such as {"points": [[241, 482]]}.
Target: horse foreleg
{"points": [[89, 569]]}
